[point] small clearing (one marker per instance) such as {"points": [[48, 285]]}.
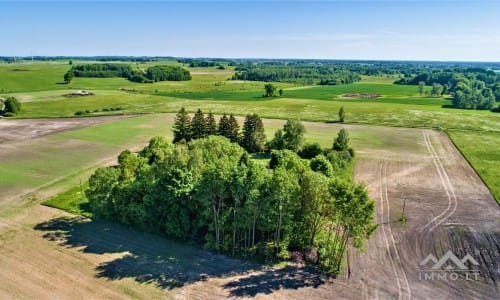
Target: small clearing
{"points": [[360, 96]]}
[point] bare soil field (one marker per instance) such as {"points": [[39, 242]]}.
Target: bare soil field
{"points": [[16, 130], [47, 254], [360, 96], [31, 159], [448, 208]]}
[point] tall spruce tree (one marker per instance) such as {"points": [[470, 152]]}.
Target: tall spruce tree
{"points": [[210, 125], [198, 125], [182, 126], [224, 126], [234, 129], [253, 139]]}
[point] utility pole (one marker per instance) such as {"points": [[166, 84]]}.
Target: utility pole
{"points": [[403, 212]]}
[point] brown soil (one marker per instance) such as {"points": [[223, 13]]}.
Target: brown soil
{"points": [[46, 254], [362, 96], [448, 208], [15, 130]]}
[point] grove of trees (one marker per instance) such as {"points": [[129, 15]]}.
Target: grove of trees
{"points": [[297, 72], [152, 74], [470, 88], [251, 138], [208, 191]]}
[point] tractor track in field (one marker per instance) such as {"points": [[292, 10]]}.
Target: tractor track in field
{"points": [[445, 182], [389, 236], [46, 253]]}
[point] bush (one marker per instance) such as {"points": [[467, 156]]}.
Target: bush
{"points": [[321, 164], [310, 150], [12, 105]]}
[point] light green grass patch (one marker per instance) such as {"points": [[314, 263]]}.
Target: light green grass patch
{"points": [[73, 201], [481, 150]]}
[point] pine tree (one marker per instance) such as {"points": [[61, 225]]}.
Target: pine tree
{"points": [[198, 125], [182, 126], [224, 126], [234, 129], [253, 139], [210, 125]]}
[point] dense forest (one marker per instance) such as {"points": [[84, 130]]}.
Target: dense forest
{"points": [[152, 74], [295, 73], [470, 88], [167, 73], [206, 189]]}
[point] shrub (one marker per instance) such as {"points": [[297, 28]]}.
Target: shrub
{"points": [[310, 150], [12, 105], [321, 164]]}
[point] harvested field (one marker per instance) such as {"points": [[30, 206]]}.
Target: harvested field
{"points": [[46, 253], [16, 130], [448, 209]]}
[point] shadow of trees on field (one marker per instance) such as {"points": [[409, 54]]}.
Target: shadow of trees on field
{"points": [[148, 258], [275, 279]]}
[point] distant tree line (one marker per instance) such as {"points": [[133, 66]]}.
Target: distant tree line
{"points": [[210, 192], [105, 70], [296, 73], [200, 63], [101, 70], [167, 73], [471, 88]]}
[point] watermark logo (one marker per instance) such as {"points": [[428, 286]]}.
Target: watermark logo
{"points": [[448, 267]]}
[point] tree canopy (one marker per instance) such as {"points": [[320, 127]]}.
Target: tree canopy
{"points": [[211, 193]]}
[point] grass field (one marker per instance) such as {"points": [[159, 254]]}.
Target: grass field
{"points": [[38, 86], [31, 163], [481, 150]]}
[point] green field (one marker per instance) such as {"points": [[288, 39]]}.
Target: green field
{"points": [[481, 150], [38, 86], [31, 164]]}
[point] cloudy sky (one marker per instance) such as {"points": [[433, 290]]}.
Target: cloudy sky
{"points": [[370, 29]]}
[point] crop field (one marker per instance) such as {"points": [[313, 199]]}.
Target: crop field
{"points": [[111, 261], [405, 146]]}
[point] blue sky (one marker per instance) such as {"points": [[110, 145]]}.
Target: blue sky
{"points": [[395, 29]]}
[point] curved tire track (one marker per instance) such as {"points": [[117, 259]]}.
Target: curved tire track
{"points": [[445, 182], [389, 236]]}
